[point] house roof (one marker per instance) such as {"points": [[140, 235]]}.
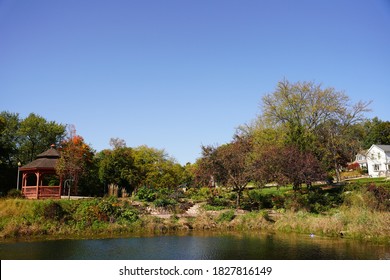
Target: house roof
{"points": [[385, 148], [45, 160]]}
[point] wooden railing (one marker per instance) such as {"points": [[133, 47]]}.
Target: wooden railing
{"points": [[43, 192]]}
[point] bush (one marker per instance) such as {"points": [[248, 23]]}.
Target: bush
{"points": [[296, 202], [147, 194], [129, 215], [164, 202], [49, 210], [14, 193], [382, 197], [260, 200], [226, 216], [199, 194], [218, 201]]}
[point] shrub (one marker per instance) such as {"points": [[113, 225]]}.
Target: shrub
{"points": [[129, 215], [260, 200], [53, 210], [147, 194], [382, 197], [226, 216], [14, 193], [218, 201], [199, 194], [164, 202]]}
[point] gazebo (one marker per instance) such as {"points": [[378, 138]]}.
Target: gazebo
{"points": [[39, 179]]}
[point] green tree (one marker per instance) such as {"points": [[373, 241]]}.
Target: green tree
{"points": [[377, 132], [36, 134], [156, 169], [9, 125], [315, 119], [117, 167]]}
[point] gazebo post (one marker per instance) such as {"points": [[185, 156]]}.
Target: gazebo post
{"points": [[38, 178]]}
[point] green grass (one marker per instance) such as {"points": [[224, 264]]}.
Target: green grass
{"points": [[275, 190], [369, 180]]}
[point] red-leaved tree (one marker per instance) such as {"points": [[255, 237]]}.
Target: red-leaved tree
{"points": [[75, 157]]}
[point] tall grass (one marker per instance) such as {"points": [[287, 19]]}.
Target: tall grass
{"points": [[357, 218], [360, 213]]}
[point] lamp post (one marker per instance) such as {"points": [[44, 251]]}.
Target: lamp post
{"points": [[17, 180]]}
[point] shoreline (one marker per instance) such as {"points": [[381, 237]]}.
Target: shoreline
{"points": [[54, 220]]}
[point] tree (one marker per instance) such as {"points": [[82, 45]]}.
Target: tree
{"points": [[156, 169], [132, 168], [315, 119], [378, 132], [75, 158], [116, 143], [9, 125], [229, 164], [36, 134], [285, 165], [117, 167]]}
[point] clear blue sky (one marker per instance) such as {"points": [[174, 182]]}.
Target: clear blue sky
{"points": [[178, 74]]}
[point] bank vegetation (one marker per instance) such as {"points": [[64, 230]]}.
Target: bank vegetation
{"points": [[357, 211]]}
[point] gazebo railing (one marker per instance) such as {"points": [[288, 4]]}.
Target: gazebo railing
{"points": [[43, 192]]}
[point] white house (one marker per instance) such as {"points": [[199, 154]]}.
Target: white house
{"points": [[361, 159], [378, 160]]}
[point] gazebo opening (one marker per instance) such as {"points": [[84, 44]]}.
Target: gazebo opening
{"points": [[31, 179]]}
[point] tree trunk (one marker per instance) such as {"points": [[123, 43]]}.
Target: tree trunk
{"points": [[238, 200], [338, 176]]}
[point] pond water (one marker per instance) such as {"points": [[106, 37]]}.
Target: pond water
{"points": [[198, 246]]}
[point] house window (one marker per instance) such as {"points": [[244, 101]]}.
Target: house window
{"points": [[376, 167], [379, 155], [388, 166]]}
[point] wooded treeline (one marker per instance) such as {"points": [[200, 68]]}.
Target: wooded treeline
{"points": [[304, 133]]}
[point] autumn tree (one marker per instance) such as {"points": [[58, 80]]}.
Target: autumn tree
{"points": [[76, 155], [229, 164]]}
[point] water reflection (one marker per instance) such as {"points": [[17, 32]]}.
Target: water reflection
{"points": [[198, 246]]}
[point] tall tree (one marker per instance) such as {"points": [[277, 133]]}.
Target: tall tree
{"points": [[117, 167], [9, 125], [302, 107], [229, 164], [76, 155], [314, 119], [285, 165], [378, 132], [156, 169], [36, 134]]}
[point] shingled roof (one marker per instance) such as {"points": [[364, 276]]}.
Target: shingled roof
{"points": [[45, 160]]}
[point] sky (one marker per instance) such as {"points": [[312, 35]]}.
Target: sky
{"points": [[176, 75]]}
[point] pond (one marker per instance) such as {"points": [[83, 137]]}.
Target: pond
{"points": [[197, 246]]}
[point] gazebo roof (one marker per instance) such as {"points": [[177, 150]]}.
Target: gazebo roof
{"points": [[45, 160]]}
